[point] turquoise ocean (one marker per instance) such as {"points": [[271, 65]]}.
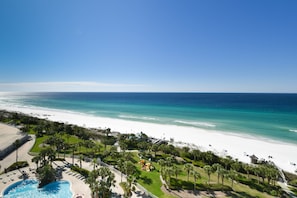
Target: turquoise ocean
{"points": [[271, 116]]}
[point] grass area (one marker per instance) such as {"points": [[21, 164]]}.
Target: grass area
{"points": [[151, 181], [36, 147], [70, 140]]}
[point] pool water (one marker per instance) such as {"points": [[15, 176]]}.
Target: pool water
{"points": [[29, 189]]}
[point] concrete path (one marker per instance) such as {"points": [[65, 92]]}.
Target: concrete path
{"points": [[22, 155], [78, 185]]}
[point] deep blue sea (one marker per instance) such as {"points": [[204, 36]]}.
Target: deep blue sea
{"points": [[272, 116]]}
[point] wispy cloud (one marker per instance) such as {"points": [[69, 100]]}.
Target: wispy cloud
{"points": [[68, 86]]}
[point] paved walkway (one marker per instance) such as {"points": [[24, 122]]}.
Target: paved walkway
{"points": [[13, 176], [78, 186]]}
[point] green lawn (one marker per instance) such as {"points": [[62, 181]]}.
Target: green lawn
{"points": [[36, 148], [71, 140], [151, 181]]}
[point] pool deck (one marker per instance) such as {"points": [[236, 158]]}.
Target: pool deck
{"points": [[78, 186]]}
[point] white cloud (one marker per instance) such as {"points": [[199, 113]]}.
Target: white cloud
{"points": [[81, 86]]}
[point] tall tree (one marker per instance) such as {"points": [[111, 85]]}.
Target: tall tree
{"points": [[120, 164], [130, 168], [176, 170], [80, 159], [129, 186], [106, 181], [162, 164], [46, 174], [223, 172], [247, 169], [208, 170], [196, 176], [188, 168], [232, 174], [196, 154], [16, 145], [93, 183], [217, 168], [36, 160]]}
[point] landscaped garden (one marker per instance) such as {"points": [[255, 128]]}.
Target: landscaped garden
{"points": [[162, 168]]}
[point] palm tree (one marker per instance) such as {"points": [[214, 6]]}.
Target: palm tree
{"points": [[51, 155], [223, 172], [94, 163], [130, 168], [167, 173], [16, 145], [120, 164], [80, 159], [196, 154], [73, 147], [196, 176], [106, 182], [162, 163], [227, 161], [176, 170], [169, 161], [247, 169], [261, 171], [236, 165], [232, 174], [274, 175], [257, 171], [188, 168], [36, 160], [92, 181], [208, 170], [216, 168], [129, 186], [65, 147], [47, 155], [45, 175]]}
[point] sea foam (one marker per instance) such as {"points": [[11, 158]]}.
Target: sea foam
{"points": [[137, 117], [198, 124]]}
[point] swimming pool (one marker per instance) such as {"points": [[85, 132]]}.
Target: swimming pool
{"points": [[29, 189]]}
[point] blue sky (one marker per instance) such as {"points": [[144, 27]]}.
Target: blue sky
{"points": [[153, 45]]}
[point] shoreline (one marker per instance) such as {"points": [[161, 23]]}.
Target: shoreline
{"points": [[223, 144]]}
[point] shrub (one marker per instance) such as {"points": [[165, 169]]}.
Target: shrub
{"points": [[46, 175], [16, 165], [81, 171]]}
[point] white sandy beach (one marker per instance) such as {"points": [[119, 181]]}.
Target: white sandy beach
{"points": [[283, 154]]}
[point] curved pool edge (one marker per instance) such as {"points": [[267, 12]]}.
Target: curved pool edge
{"points": [[73, 194], [20, 180], [7, 185]]}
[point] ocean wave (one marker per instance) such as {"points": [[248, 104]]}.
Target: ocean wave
{"points": [[198, 124], [293, 130], [137, 117]]}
